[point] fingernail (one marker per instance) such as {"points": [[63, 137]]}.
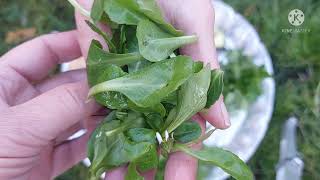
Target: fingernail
{"points": [[225, 115], [54, 32], [88, 100]]}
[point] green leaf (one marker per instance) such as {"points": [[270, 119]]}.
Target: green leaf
{"points": [[122, 38], [125, 151], [116, 59], [191, 99], [100, 69], [123, 11], [242, 75], [154, 120], [99, 147], [156, 44], [215, 88], [103, 58], [226, 160], [171, 98], [112, 100], [201, 138], [130, 120], [317, 101], [97, 10], [197, 66], [132, 173], [149, 160], [131, 12], [109, 148], [166, 147], [91, 143], [132, 41], [150, 9], [187, 131], [133, 47], [141, 135], [150, 85], [157, 108], [106, 37], [98, 15], [136, 66], [105, 19], [161, 168], [170, 118], [119, 38]]}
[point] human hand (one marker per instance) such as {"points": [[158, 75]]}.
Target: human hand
{"points": [[192, 17], [37, 115]]}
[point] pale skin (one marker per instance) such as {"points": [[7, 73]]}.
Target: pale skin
{"points": [[38, 113]]}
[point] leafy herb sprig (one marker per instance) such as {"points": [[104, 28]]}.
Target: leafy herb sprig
{"points": [[243, 75], [243, 80], [152, 92]]}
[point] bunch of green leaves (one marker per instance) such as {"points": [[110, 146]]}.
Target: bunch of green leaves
{"points": [[153, 94], [243, 78]]}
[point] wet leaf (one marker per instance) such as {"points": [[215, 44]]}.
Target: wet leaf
{"points": [[215, 88], [226, 160], [150, 85], [155, 44], [191, 99], [132, 173], [187, 131]]}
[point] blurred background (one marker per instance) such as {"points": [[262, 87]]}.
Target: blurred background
{"points": [[295, 56]]}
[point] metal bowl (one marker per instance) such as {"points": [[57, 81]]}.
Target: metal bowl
{"points": [[248, 125]]}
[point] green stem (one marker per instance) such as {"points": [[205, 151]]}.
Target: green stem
{"points": [[106, 37], [202, 138], [185, 39], [180, 119], [134, 57], [78, 7], [123, 127], [190, 39], [179, 147]]}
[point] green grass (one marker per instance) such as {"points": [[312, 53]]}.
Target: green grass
{"points": [[46, 16], [296, 61]]}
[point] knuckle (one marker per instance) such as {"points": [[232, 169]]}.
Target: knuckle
{"points": [[9, 86], [71, 99], [44, 40]]}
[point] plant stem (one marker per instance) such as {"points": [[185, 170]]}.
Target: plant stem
{"points": [[202, 138], [121, 60], [78, 7], [106, 37], [123, 127], [186, 39]]}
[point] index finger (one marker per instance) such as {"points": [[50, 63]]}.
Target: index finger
{"points": [[35, 58], [202, 25]]}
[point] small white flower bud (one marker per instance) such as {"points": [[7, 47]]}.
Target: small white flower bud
{"points": [[166, 134], [159, 138]]}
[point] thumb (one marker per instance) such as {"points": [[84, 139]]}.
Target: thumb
{"points": [[202, 25], [85, 34], [53, 112]]}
